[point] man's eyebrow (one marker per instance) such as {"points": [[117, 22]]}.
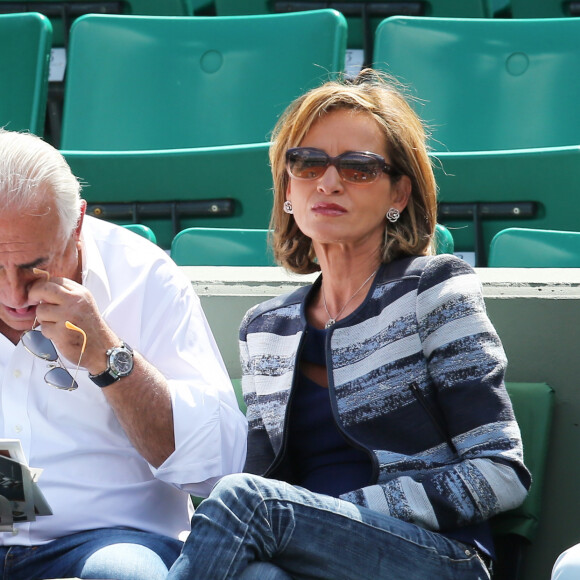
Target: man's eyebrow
{"points": [[33, 264]]}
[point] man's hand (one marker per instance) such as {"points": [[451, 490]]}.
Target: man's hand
{"points": [[61, 299]]}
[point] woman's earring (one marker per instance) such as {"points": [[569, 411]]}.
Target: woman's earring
{"points": [[288, 207], [393, 215]]}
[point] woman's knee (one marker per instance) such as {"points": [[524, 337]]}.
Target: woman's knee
{"points": [[264, 571], [567, 566], [239, 485]]}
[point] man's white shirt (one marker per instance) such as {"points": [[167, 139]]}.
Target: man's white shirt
{"points": [[92, 475]]}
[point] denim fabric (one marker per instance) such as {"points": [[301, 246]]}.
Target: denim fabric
{"points": [[248, 519], [264, 571], [567, 566], [117, 553]]}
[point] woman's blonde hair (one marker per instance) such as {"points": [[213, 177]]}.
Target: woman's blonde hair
{"points": [[405, 137]]}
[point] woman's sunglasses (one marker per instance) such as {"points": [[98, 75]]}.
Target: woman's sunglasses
{"points": [[358, 167]]}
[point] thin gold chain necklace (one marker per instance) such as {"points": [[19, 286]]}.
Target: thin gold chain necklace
{"points": [[332, 319]]}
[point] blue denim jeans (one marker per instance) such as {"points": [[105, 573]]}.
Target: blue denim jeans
{"points": [[567, 566], [249, 519], [119, 553]]}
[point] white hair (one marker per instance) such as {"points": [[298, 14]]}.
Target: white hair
{"points": [[31, 169]]}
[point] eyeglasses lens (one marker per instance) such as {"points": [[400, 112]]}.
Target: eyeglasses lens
{"points": [[307, 164], [358, 168], [61, 379], [37, 344], [352, 167]]}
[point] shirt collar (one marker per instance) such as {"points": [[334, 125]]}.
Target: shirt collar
{"points": [[94, 276]]}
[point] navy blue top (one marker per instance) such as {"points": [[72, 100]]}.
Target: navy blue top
{"points": [[322, 459]]}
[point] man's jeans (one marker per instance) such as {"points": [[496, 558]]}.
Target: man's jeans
{"points": [[248, 519], [122, 554]]}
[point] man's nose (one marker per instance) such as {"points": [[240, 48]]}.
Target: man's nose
{"points": [[14, 290]]}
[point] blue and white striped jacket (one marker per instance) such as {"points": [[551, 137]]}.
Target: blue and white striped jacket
{"points": [[421, 339]]}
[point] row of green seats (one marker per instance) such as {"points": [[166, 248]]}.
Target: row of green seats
{"points": [[61, 15], [510, 248], [247, 247], [363, 16], [447, 8], [495, 92]]}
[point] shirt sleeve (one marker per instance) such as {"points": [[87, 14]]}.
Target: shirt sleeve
{"points": [[466, 363], [210, 429]]}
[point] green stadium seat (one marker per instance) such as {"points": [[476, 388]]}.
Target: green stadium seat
{"points": [[138, 83], [514, 530], [478, 84], [25, 41], [363, 16], [222, 247], [531, 248], [444, 243], [165, 96], [173, 189], [142, 230]]}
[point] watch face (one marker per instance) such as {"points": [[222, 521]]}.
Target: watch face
{"points": [[122, 362]]}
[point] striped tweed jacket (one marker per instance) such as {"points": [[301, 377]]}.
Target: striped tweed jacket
{"points": [[419, 346]]}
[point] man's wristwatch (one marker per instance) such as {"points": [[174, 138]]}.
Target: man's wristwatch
{"points": [[120, 364]]}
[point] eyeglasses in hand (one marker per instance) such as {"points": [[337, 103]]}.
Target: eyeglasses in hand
{"points": [[38, 345]]}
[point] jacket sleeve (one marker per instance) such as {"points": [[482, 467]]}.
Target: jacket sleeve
{"points": [[466, 363], [260, 452]]}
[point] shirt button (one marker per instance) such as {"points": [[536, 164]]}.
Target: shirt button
{"points": [[17, 373], [18, 428]]}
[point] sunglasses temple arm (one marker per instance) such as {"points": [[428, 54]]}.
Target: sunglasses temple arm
{"points": [[72, 326]]}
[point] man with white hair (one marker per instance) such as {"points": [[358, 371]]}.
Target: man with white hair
{"points": [[132, 411]]}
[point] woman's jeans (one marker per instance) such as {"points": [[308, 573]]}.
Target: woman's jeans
{"points": [[248, 519], [567, 566], [119, 553]]}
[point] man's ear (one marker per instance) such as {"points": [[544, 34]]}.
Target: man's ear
{"points": [[79, 226]]}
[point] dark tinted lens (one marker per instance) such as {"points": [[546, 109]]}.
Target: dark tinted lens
{"points": [[359, 168], [36, 343], [307, 163], [61, 379]]}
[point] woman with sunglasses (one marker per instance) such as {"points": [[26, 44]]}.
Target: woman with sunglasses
{"points": [[381, 437]]}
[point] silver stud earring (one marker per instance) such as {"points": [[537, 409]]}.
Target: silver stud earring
{"points": [[393, 215], [288, 207]]}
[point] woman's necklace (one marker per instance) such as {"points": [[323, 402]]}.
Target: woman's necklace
{"points": [[332, 319]]}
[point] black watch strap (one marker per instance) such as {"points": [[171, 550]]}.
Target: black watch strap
{"points": [[111, 374], [104, 379]]}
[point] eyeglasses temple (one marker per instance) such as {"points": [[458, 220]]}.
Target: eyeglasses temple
{"points": [[40, 272], [74, 327]]}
